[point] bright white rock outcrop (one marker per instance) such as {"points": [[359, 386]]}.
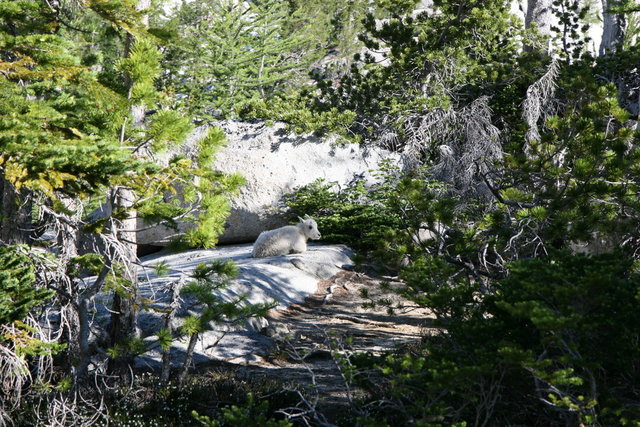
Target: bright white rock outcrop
{"points": [[274, 162]]}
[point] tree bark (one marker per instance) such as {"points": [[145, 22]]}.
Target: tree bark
{"points": [[124, 317], [189, 357], [124, 314], [83, 334], [613, 28], [15, 215], [539, 13], [67, 242], [168, 320]]}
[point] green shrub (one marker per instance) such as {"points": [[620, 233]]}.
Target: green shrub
{"points": [[251, 414], [218, 396], [17, 291], [555, 344], [356, 215]]}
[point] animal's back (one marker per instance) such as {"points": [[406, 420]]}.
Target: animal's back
{"points": [[276, 242]]}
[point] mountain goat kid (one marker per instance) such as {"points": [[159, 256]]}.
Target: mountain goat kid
{"points": [[290, 239]]}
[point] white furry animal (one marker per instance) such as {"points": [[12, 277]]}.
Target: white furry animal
{"points": [[290, 239]]}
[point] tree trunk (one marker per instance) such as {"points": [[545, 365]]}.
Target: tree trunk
{"points": [[613, 28], [187, 361], [539, 13], [168, 320], [76, 313], [67, 241], [15, 214], [124, 317], [82, 306], [124, 314]]}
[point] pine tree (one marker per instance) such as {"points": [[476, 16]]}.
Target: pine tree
{"points": [[215, 309], [17, 291], [47, 124], [429, 62], [232, 52], [18, 341], [140, 66], [76, 129]]}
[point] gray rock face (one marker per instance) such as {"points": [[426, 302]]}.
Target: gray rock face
{"points": [[285, 280], [274, 162]]}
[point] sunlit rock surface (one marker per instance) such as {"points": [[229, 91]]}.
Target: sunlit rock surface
{"points": [[285, 280]]}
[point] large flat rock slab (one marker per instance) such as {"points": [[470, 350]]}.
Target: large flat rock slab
{"points": [[284, 280]]}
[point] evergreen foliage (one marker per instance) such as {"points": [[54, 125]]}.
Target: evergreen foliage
{"points": [[250, 415], [17, 291], [260, 59], [519, 161], [232, 52], [335, 26], [434, 60], [215, 189], [532, 353], [216, 308], [357, 216], [52, 109], [19, 341], [521, 319]]}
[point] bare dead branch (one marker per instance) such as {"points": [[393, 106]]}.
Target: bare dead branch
{"points": [[539, 103]]}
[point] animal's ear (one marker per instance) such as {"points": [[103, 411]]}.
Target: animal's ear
{"points": [[301, 220], [307, 216]]}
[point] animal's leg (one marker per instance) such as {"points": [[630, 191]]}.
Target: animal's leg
{"points": [[299, 247]]}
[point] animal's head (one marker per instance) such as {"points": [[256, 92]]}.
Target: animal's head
{"points": [[309, 227]]}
